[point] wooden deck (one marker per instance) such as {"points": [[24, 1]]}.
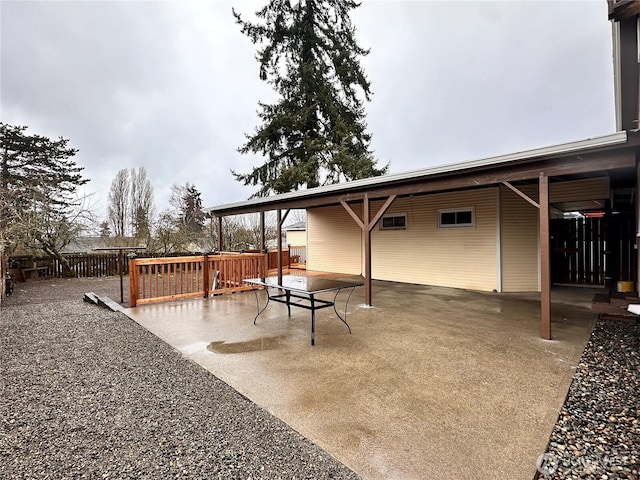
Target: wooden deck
{"points": [[162, 279]]}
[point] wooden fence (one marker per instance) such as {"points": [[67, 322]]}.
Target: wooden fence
{"points": [[272, 257], [298, 254], [83, 265], [162, 279], [592, 251]]}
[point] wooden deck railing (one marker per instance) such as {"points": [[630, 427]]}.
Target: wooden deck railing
{"points": [[297, 254], [272, 257], [162, 279]]}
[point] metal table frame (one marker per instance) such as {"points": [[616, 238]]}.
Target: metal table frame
{"points": [[304, 295]]}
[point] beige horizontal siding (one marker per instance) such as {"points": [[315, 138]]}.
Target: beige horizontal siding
{"points": [[519, 240], [426, 254], [454, 257], [334, 241], [297, 238], [586, 189]]}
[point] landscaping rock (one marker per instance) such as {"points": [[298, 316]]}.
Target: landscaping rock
{"points": [[88, 393], [597, 435]]}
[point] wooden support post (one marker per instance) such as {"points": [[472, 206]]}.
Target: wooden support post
{"points": [[279, 243], [121, 272], [284, 217], [220, 243], [133, 283], [521, 194], [366, 225], [206, 278], [262, 236], [637, 239], [545, 259], [265, 265], [366, 217]]}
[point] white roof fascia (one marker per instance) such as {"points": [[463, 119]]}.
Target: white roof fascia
{"points": [[550, 151]]}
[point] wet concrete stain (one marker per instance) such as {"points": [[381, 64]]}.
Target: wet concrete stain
{"points": [[257, 345]]}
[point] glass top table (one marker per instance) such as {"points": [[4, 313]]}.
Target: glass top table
{"points": [[303, 291]]}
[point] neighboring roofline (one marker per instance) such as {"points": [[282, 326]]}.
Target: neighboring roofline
{"points": [[298, 226], [563, 149]]}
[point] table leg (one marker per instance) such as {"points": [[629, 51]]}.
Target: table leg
{"points": [[288, 296], [346, 306], [255, 292], [313, 320]]}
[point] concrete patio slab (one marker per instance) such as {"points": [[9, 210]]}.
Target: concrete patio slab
{"points": [[432, 383]]}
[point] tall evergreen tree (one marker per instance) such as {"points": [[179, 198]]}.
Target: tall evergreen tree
{"points": [[39, 206], [187, 202], [316, 132], [37, 167]]}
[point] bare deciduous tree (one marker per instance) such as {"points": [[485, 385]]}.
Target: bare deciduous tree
{"points": [[141, 203], [296, 216], [166, 238], [243, 231], [118, 198]]}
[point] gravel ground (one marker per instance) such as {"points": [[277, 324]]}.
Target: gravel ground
{"points": [[597, 435], [88, 393]]}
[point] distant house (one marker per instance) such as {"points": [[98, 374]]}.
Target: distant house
{"points": [[296, 234], [504, 224], [84, 244], [88, 244]]}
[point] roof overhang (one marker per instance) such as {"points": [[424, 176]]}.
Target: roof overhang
{"points": [[598, 154]]}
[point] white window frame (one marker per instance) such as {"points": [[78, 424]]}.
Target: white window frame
{"points": [[393, 215], [471, 210]]}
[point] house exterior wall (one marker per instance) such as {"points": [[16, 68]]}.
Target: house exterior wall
{"points": [[297, 238], [587, 189], [500, 252], [334, 241], [520, 231], [519, 241], [462, 257], [423, 253]]}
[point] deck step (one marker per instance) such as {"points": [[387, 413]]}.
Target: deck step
{"points": [[623, 300], [112, 305], [104, 302], [607, 308], [627, 318], [601, 298], [91, 297]]}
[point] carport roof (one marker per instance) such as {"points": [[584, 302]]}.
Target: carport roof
{"points": [[588, 155]]}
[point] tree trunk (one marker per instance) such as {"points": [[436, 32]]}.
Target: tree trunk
{"points": [[67, 271]]}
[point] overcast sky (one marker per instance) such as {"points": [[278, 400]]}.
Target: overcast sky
{"points": [[173, 86]]}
